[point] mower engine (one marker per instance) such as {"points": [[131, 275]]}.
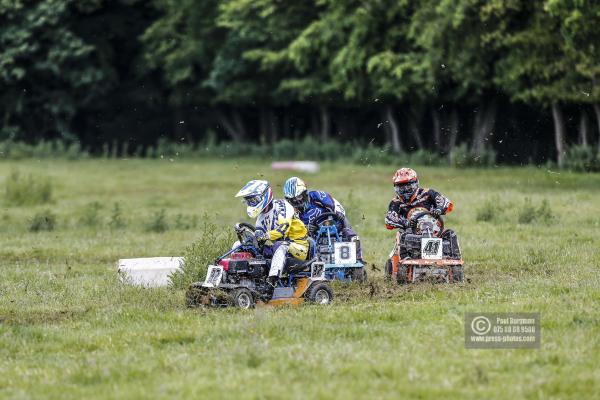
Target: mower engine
{"points": [[244, 269], [411, 246]]}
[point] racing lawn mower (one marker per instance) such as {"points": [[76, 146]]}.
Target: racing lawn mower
{"points": [[425, 251], [239, 279], [339, 257]]}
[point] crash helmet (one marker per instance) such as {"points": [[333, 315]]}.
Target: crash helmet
{"points": [[406, 183], [295, 192], [257, 195]]}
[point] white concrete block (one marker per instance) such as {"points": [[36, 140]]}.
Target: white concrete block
{"points": [[149, 272]]}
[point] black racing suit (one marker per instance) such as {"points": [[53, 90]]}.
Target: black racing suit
{"points": [[396, 217], [426, 198]]}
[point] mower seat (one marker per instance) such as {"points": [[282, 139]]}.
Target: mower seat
{"points": [[293, 265]]}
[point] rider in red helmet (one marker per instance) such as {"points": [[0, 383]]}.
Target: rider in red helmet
{"points": [[410, 195]]}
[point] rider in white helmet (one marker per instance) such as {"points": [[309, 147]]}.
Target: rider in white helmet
{"points": [[275, 222]]}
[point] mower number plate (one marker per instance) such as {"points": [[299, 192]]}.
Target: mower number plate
{"points": [[345, 252], [213, 276], [317, 270], [431, 248]]}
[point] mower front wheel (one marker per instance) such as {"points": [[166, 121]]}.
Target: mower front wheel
{"points": [[402, 276], [320, 293], [457, 274], [242, 298], [387, 270]]}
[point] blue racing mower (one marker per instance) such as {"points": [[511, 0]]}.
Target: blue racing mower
{"points": [[339, 257]]}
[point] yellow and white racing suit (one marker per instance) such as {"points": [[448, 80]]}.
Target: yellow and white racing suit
{"points": [[287, 232]]}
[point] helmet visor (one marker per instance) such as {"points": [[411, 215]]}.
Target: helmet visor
{"points": [[297, 201], [405, 190], [253, 201]]}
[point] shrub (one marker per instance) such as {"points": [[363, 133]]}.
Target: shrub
{"points": [[91, 214], [425, 157], [490, 210], [42, 221], [214, 241], [158, 222], [529, 213], [43, 149], [544, 212], [116, 218], [374, 155], [582, 159], [185, 222], [461, 156], [27, 191]]}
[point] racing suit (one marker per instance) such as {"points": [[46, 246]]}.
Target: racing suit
{"points": [[320, 202], [288, 234], [427, 198]]}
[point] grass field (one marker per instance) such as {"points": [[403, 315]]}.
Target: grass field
{"points": [[69, 329]]}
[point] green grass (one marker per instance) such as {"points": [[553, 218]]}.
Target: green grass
{"points": [[69, 329]]}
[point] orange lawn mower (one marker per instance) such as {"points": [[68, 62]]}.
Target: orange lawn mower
{"points": [[425, 251]]}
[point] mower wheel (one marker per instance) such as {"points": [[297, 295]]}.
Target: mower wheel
{"points": [[387, 270], [320, 293], [359, 275], [402, 276], [457, 274], [242, 298]]}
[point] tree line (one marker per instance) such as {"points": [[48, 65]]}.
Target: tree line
{"points": [[518, 77]]}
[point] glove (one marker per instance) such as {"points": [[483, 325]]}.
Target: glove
{"points": [[413, 224], [260, 235], [397, 221], [238, 229], [403, 222], [436, 212]]}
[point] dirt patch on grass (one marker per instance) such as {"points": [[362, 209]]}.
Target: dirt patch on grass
{"points": [[380, 289]]}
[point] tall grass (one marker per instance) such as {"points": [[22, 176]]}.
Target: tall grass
{"points": [[213, 241], [42, 221], [26, 191]]}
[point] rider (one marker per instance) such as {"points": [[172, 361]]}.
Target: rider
{"points": [[310, 204], [410, 195], [275, 222]]}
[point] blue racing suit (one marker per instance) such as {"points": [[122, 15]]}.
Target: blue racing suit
{"points": [[319, 202]]}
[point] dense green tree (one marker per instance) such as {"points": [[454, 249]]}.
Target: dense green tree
{"points": [[434, 73], [454, 37], [46, 70], [536, 67], [579, 21]]}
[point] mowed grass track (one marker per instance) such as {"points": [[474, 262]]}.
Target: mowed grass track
{"points": [[69, 329]]}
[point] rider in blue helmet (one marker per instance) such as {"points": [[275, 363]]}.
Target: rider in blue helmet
{"points": [[310, 204]]}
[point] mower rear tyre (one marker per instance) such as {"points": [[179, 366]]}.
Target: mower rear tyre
{"points": [[359, 275], [320, 293], [242, 298]]}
